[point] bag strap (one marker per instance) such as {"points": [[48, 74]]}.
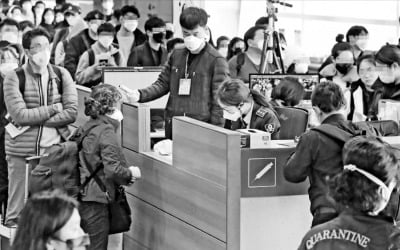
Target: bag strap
{"points": [[57, 71], [239, 62], [91, 56], [333, 132]]}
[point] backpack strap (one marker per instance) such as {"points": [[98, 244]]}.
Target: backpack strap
{"points": [[85, 41], [57, 71], [21, 79], [91, 56], [334, 132], [239, 62], [117, 58]]}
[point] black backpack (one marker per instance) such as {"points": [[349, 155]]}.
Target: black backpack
{"points": [[21, 79]]}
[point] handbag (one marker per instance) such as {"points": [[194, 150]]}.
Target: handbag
{"points": [[120, 218]]}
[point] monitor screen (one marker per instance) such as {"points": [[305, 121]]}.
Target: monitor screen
{"points": [[135, 78], [264, 83]]}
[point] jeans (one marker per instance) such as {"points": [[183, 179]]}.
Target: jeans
{"points": [[95, 222], [16, 189]]}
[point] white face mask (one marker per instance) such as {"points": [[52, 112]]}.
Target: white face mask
{"points": [[7, 67], [223, 51], [131, 25], [232, 116], [93, 27], [41, 58], [301, 68], [362, 43], [10, 37], [384, 191], [71, 20], [116, 115], [106, 41], [193, 43]]}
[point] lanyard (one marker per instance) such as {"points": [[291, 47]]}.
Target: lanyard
{"points": [[186, 67]]}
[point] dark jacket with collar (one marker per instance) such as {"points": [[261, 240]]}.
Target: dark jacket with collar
{"points": [[142, 55], [140, 38], [101, 146], [262, 118], [352, 231], [318, 157], [207, 71], [75, 48]]}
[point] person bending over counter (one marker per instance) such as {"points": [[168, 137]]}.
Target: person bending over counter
{"points": [[192, 75], [246, 108], [319, 156], [362, 190]]}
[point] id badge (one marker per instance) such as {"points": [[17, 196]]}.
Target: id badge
{"points": [[184, 86]]}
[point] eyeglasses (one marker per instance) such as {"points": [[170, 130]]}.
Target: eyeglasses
{"points": [[82, 241], [39, 47]]}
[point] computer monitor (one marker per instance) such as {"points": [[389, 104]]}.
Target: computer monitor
{"points": [[135, 78], [266, 82]]}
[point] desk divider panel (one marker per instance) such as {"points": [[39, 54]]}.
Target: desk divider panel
{"points": [[83, 92], [136, 127]]}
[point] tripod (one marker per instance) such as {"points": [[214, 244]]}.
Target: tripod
{"points": [[271, 57]]}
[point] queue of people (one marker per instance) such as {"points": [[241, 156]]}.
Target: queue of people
{"points": [[208, 83]]}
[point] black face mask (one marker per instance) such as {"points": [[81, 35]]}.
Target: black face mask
{"points": [[169, 34], [343, 68], [237, 51], [158, 37]]}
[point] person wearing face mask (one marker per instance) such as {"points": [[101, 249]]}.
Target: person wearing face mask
{"points": [[129, 36], [81, 42], [38, 11], [107, 9], [74, 24], [152, 52], [363, 91], [387, 65], [235, 47], [9, 31], [243, 64], [191, 75], [170, 30], [45, 115], [245, 108], [318, 155], [59, 19], [101, 54], [9, 61], [103, 108], [222, 45], [361, 190], [47, 22], [26, 8]]}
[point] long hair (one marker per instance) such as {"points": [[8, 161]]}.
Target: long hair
{"points": [[43, 216], [234, 92]]}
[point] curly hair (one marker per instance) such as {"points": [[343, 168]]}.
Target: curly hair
{"points": [[102, 100], [328, 97], [353, 189]]}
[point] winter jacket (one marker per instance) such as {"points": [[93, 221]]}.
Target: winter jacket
{"points": [[207, 71], [75, 48], [142, 55], [28, 109], [101, 147]]}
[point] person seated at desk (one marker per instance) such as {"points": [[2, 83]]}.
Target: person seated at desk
{"points": [[192, 76], [362, 91], [319, 156], [101, 54], [246, 108], [152, 52], [288, 93], [362, 191]]}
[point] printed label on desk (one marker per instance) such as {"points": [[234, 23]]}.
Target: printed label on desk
{"points": [[261, 172]]}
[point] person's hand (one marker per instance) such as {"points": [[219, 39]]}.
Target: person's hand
{"points": [[99, 66], [58, 107], [136, 174], [130, 95]]}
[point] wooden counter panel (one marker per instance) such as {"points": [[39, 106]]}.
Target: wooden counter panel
{"points": [[131, 244], [155, 229], [201, 149], [181, 194], [136, 127]]}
